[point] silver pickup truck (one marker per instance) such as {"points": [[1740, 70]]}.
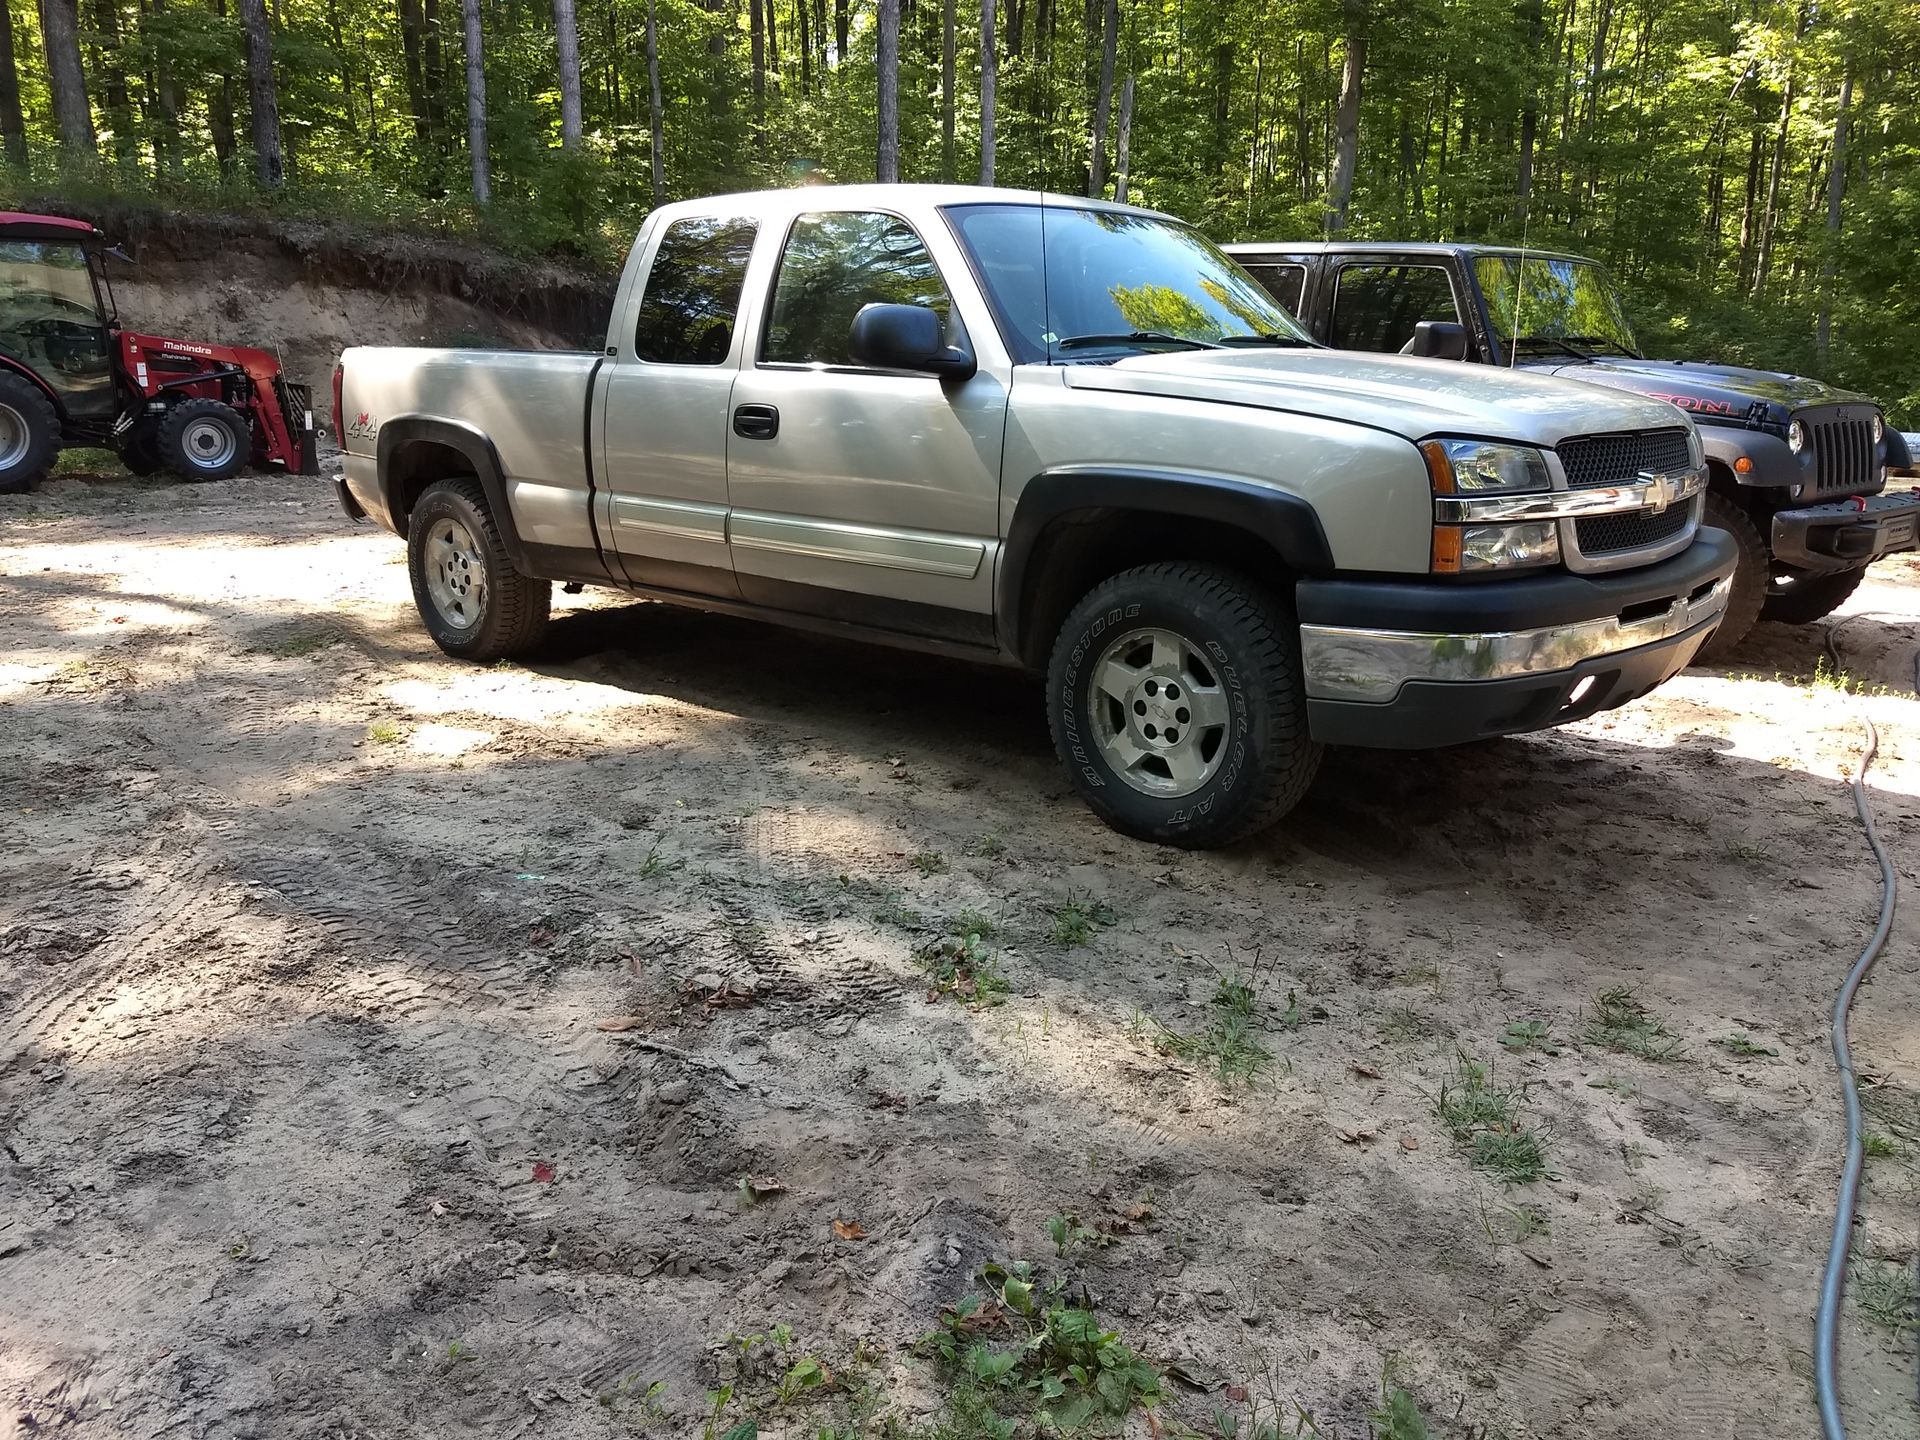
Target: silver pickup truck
{"points": [[1070, 437]]}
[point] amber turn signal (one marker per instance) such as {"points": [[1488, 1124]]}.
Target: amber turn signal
{"points": [[1446, 550]]}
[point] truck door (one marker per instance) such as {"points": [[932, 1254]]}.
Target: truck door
{"points": [[665, 405], [863, 494]]}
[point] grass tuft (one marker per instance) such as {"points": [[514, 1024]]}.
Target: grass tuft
{"points": [[1484, 1120], [1075, 922], [1226, 1044], [1620, 1022]]}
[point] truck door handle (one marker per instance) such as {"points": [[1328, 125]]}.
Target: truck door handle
{"points": [[756, 422]]}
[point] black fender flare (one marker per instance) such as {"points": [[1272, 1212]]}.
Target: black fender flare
{"points": [[473, 446], [27, 372], [1285, 522], [1773, 466]]}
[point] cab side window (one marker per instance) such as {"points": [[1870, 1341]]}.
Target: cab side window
{"points": [[1283, 282], [693, 292], [1375, 307], [834, 264]]}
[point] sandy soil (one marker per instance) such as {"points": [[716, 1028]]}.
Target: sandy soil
{"points": [[384, 1042]]}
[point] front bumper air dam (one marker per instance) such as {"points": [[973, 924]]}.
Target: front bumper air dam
{"points": [[1847, 534], [1470, 662]]}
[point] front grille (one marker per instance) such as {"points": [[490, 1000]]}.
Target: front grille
{"points": [[1618, 459], [1842, 453], [1635, 530]]}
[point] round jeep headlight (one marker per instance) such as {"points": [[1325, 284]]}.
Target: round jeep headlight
{"points": [[1796, 437], [1879, 427]]}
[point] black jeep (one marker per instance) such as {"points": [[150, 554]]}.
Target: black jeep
{"points": [[1798, 468]]}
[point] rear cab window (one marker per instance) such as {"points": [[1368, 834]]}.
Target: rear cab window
{"points": [[1283, 282], [1376, 307], [836, 263], [692, 299]]}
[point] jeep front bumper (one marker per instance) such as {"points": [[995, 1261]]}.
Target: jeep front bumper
{"points": [[1416, 665], [1847, 534]]}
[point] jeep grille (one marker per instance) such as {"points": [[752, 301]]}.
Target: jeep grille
{"points": [[1842, 452]]}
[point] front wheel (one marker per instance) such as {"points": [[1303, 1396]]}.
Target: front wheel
{"points": [[1801, 600], [205, 440], [475, 604], [1749, 588], [1176, 705]]}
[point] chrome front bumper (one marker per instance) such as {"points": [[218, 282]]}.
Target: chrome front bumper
{"points": [[1369, 666]]}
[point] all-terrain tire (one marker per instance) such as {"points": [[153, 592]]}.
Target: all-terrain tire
{"points": [[205, 440], [1813, 597], [140, 450], [1750, 578], [29, 434], [1241, 657], [475, 604]]}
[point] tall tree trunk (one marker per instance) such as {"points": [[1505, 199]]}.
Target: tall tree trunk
{"points": [[800, 9], [1123, 142], [567, 41], [757, 41], [107, 63], [1836, 192], [1743, 267], [66, 77], [656, 120], [13, 124], [413, 26], [1223, 58], [947, 161], [263, 99], [163, 110], [887, 70], [477, 104], [433, 71], [1770, 218], [989, 78], [1347, 118], [1103, 98], [841, 21], [220, 113], [1529, 118]]}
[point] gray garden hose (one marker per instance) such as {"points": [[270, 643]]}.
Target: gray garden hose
{"points": [[1826, 1325]]}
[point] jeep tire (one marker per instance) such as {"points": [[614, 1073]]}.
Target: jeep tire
{"points": [[1175, 700], [1803, 599], [475, 604], [1750, 576]]}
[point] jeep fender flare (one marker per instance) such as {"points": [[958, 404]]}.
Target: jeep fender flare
{"points": [[1774, 466], [1285, 522], [474, 447]]}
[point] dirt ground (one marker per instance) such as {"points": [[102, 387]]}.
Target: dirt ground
{"points": [[384, 1043]]}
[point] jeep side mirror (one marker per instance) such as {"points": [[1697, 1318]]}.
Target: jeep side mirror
{"points": [[1440, 340], [907, 337]]}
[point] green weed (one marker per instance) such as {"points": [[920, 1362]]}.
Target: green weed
{"points": [[1076, 921], [930, 862], [1887, 1294], [1398, 1418], [655, 864], [1744, 1045], [1484, 1120], [385, 732], [1226, 1043], [965, 966], [1620, 1022], [1528, 1035], [1881, 1147], [1070, 1237]]}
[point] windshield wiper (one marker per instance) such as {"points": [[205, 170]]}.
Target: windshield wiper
{"points": [[1556, 343], [1592, 342], [1292, 341], [1133, 337]]}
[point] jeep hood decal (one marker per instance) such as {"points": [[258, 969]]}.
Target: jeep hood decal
{"points": [[1727, 394], [1410, 397]]}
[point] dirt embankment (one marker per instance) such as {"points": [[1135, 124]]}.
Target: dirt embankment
{"points": [[308, 291]]}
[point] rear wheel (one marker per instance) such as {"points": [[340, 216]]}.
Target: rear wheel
{"points": [[1176, 705], [1749, 577], [475, 604], [29, 434], [1800, 600], [205, 440]]}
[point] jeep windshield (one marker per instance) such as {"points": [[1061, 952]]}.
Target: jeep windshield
{"points": [[1069, 282], [1553, 305]]}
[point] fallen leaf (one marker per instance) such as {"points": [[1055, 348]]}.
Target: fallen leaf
{"points": [[848, 1230], [1359, 1135], [1237, 1393], [1139, 1213], [1409, 1142], [1366, 1072], [543, 1172], [539, 937], [621, 1022], [763, 1186]]}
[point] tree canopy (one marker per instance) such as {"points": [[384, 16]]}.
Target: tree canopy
{"points": [[1749, 168]]}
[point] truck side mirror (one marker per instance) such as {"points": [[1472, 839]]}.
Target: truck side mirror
{"points": [[1439, 340], [907, 337]]}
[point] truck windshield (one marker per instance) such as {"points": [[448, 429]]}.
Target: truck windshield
{"points": [[1553, 304], [1106, 282]]}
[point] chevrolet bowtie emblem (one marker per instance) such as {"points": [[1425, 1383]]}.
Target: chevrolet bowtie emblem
{"points": [[1662, 491]]}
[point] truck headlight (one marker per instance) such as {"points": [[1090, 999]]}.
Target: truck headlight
{"points": [[1474, 549], [1796, 437], [1879, 427], [1479, 467]]}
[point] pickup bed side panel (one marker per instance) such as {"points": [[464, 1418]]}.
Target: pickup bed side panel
{"points": [[529, 407]]}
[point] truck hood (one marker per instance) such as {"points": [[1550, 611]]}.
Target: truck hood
{"points": [[1410, 397], [1712, 394]]}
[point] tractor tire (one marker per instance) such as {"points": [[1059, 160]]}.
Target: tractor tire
{"points": [[29, 434], [1176, 704], [1750, 577], [1813, 597], [475, 604], [205, 440], [140, 451]]}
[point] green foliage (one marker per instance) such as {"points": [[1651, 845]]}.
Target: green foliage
{"points": [[1076, 921], [1226, 1042], [1484, 1120], [962, 964], [1620, 1022]]}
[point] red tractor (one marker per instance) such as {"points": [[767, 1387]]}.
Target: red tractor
{"points": [[70, 375]]}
